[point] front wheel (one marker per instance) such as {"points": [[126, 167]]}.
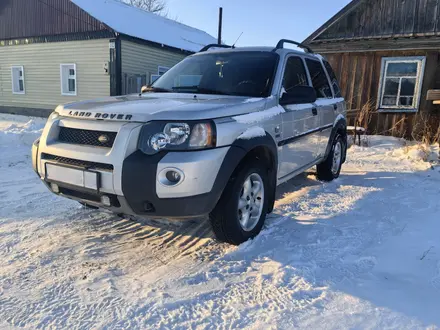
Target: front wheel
{"points": [[331, 167], [241, 211]]}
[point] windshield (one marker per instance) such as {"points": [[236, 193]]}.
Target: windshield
{"points": [[235, 73]]}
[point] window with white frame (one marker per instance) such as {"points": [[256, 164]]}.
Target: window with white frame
{"points": [[68, 79], [160, 71], [18, 80], [401, 83], [153, 78]]}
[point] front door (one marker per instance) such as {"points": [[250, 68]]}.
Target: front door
{"points": [[299, 144], [325, 103]]}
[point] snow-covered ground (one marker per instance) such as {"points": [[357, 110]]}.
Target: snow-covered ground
{"points": [[360, 252]]}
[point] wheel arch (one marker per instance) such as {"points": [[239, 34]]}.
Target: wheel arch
{"points": [[242, 151], [339, 128]]}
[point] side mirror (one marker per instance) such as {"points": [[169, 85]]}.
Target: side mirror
{"points": [[299, 95]]}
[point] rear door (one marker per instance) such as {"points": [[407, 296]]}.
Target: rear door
{"points": [[325, 103], [299, 144]]}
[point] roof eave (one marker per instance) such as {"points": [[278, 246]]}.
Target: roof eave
{"points": [[348, 8], [155, 44]]}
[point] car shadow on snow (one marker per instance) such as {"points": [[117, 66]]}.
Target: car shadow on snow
{"points": [[188, 234], [335, 235], [330, 235]]}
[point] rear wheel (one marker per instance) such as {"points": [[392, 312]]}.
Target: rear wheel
{"points": [[241, 211], [331, 167]]}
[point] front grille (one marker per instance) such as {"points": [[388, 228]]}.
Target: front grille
{"points": [[79, 163], [87, 137]]}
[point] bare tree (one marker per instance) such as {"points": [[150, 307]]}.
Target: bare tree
{"points": [[154, 6]]}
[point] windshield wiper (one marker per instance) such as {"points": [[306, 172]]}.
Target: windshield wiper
{"points": [[197, 89], [156, 90]]}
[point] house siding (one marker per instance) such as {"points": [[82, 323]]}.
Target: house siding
{"points": [[140, 59], [359, 77], [41, 64]]}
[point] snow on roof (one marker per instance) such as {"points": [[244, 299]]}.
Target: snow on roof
{"points": [[141, 24]]}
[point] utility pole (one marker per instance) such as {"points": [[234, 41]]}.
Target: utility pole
{"points": [[220, 23]]}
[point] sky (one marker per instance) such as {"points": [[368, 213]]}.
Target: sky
{"points": [[263, 23]]}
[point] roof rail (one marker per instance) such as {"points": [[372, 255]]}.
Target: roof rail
{"points": [[204, 49], [280, 45]]}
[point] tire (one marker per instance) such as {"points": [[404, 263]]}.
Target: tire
{"points": [[331, 167], [227, 219]]}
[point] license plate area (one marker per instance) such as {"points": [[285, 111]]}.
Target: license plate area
{"points": [[73, 176]]}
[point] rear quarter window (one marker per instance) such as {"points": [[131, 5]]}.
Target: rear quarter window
{"points": [[333, 79], [319, 79]]}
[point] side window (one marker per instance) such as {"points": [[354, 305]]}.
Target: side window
{"points": [[17, 80], [294, 74], [160, 71], [333, 79], [319, 79], [401, 83], [68, 79]]}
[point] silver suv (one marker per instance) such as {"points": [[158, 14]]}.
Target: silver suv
{"points": [[213, 136]]}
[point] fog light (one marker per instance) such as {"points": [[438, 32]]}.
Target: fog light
{"points": [[106, 200], [173, 176], [55, 188]]}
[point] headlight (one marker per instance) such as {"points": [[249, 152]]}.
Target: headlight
{"points": [[177, 133], [201, 136], [157, 136]]}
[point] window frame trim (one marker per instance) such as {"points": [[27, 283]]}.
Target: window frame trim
{"points": [[68, 77], [421, 64], [21, 68]]}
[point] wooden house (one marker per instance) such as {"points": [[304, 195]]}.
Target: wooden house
{"points": [[386, 54]]}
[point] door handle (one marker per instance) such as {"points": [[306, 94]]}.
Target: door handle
{"points": [[315, 111], [335, 106]]}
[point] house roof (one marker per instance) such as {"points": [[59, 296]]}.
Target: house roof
{"points": [[145, 25], [380, 19], [348, 8]]}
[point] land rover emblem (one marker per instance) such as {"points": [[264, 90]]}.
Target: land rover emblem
{"points": [[103, 139]]}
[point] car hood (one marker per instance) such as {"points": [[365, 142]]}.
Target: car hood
{"points": [[161, 106]]}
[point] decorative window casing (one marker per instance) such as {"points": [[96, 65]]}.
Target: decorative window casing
{"points": [[68, 79], [18, 86], [401, 83]]}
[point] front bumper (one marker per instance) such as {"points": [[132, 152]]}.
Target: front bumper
{"points": [[131, 180], [199, 192]]}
